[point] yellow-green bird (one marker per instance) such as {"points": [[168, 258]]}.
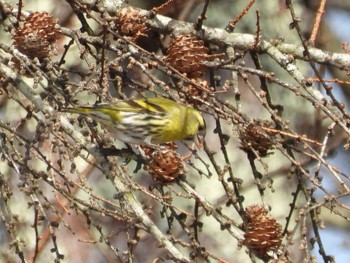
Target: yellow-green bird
{"points": [[146, 121]]}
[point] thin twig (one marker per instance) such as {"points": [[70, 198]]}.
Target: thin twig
{"points": [[317, 23], [198, 25], [232, 25]]}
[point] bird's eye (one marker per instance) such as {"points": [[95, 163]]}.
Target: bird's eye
{"points": [[201, 127], [201, 130]]}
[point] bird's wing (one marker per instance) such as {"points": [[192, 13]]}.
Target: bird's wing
{"points": [[138, 106]]}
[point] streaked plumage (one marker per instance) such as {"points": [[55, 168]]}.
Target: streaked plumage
{"points": [[146, 121]]}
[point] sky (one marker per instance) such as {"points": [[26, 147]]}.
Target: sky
{"points": [[337, 241]]}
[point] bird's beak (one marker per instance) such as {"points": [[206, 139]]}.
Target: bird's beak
{"points": [[199, 141]]}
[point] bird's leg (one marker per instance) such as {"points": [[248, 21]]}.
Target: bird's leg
{"points": [[127, 153]]}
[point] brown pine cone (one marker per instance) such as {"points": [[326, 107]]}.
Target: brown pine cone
{"points": [[166, 164], [186, 53], [263, 233], [36, 36]]}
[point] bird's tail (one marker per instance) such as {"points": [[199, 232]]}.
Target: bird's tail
{"points": [[96, 113], [78, 110]]}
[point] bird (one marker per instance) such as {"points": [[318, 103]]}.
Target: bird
{"points": [[147, 121]]}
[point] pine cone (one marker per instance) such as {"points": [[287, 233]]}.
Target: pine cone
{"points": [[195, 92], [37, 35], [254, 211], [263, 233], [131, 23], [253, 136], [165, 165], [186, 53]]}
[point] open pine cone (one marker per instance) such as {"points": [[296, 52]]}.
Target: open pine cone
{"points": [[132, 24], [263, 233], [186, 53], [253, 136], [165, 165], [190, 92], [36, 36]]}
